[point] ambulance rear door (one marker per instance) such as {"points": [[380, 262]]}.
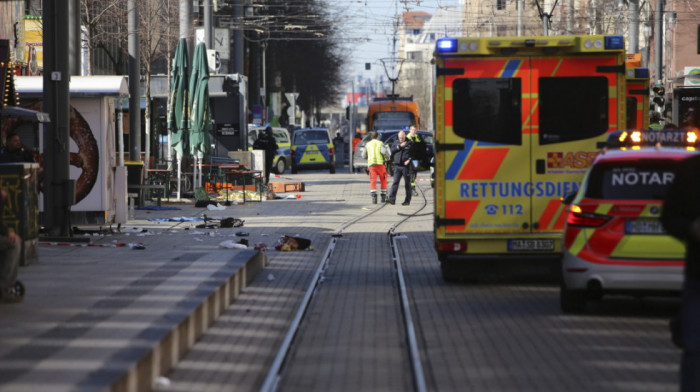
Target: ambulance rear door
{"points": [[482, 153], [577, 98], [519, 132]]}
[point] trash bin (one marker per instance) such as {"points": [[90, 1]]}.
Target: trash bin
{"points": [[134, 172], [21, 211]]}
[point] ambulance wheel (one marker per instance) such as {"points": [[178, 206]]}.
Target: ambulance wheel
{"points": [[572, 301], [281, 166], [332, 170], [294, 169]]}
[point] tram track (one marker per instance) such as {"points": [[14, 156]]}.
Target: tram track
{"points": [[276, 370]]}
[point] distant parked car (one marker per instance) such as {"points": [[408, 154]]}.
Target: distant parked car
{"points": [[312, 148], [388, 137]]}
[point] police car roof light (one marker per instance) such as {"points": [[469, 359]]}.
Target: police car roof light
{"points": [[614, 42], [447, 45]]}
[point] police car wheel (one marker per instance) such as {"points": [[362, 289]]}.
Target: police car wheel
{"points": [[572, 301], [281, 166]]}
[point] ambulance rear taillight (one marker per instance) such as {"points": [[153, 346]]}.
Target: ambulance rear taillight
{"points": [[451, 246], [579, 218]]}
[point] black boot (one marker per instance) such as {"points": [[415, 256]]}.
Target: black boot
{"points": [[374, 198], [383, 197]]}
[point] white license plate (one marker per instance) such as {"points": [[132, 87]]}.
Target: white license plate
{"points": [[644, 227], [520, 245], [312, 152]]}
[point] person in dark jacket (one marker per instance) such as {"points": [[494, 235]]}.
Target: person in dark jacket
{"points": [[401, 159], [681, 218], [14, 152], [10, 246], [266, 142]]}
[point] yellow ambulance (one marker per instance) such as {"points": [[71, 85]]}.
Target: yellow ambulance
{"points": [[518, 120]]}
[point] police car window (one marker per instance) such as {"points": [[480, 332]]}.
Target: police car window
{"points": [[636, 181], [316, 137], [631, 113], [487, 109], [281, 137], [572, 108]]}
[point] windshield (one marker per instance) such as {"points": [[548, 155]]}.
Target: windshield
{"points": [[311, 137], [392, 120], [631, 180]]}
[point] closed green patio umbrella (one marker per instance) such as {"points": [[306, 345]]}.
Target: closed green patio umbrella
{"points": [[178, 106], [200, 112]]}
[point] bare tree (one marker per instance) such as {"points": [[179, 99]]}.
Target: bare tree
{"points": [[104, 22], [156, 43]]}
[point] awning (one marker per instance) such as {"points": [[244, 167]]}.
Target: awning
{"points": [[24, 114]]}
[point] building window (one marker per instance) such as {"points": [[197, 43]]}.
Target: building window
{"points": [[500, 4]]}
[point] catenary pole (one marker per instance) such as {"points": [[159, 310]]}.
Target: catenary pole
{"points": [[134, 83], [57, 186], [658, 38], [634, 26]]}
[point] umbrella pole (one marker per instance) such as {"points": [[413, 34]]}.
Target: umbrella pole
{"points": [[179, 174], [201, 158]]}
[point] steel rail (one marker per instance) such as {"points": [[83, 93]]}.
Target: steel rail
{"points": [[273, 376]]}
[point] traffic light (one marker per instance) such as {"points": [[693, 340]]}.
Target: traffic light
{"points": [[659, 99]]}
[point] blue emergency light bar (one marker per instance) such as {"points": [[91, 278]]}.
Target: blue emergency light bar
{"points": [[614, 42], [641, 73], [651, 137], [447, 45]]}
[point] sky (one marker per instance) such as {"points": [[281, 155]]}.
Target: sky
{"points": [[369, 28]]}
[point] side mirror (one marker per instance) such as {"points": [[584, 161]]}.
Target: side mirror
{"points": [[569, 198]]}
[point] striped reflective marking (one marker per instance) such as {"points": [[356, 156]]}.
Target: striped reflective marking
{"points": [[580, 241], [548, 213], [510, 68], [460, 209], [312, 154], [483, 164], [459, 159]]}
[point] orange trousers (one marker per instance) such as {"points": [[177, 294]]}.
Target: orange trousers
{"points": [[377, 171]]}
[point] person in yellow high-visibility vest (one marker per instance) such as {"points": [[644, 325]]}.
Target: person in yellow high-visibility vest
{"points": [[413, 137], [375, 162]]}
